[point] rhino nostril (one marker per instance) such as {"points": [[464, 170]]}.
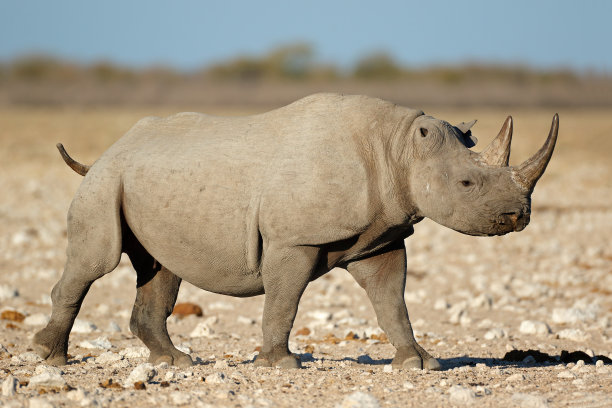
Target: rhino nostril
{"points": [[510, 218]]}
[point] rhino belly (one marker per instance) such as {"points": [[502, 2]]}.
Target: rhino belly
{"points": [[197, 230]]}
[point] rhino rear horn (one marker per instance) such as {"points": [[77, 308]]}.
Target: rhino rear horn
{"points": [[530, 171], [497, 152]]}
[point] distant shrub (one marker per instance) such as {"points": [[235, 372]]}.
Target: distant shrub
{"points": [[377, 66]]}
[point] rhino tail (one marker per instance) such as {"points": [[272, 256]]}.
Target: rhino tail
{"points": [[81, 169]]}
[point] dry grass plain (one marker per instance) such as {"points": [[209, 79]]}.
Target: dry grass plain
{"points": [[467, 296]]}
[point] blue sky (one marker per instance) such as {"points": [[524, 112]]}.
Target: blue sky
{"points": [[189, 34]]}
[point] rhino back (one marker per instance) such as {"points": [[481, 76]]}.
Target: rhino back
{"points": [[206, 194]]}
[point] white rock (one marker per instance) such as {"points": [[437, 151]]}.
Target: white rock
{"points": [[461, 395], [369, 331], [441, 304], [495, 333], [82, 326], [142, 373], [485, 324], [388, 368], [40, 403], [221, 306], [482, 301], [169, 375], [180, 398], [319, 315], [46, 376], [599, 363], [108, 357], [578, 366], [210, 320], [23, 237], [100, 343], [534, 327], [221, 364], [28, 357], [135, 352], [359, 400], [566, 374], [245, 320], [573, 334], [203, 330], [408, 385], [352, 321], [572, 315], [113, 328], [77, 395], [45, 300], [37, 319], [529, 400], [102, 309], [9, 386], [483, 390], [516, 377], [215, 378]]}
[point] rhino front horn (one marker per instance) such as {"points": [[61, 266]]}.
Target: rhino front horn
{"points": [[530, 171], [497, 152]]}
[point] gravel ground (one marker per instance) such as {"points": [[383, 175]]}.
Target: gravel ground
{"points": [[473, 303]]}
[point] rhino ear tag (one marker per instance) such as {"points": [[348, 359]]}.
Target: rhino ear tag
{"points": [[465, 127], [469, 139]]}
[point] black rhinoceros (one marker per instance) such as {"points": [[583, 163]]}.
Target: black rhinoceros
{"points": [[267, 203]]}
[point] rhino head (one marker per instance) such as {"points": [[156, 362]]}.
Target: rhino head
{"points": [[473, 193]]}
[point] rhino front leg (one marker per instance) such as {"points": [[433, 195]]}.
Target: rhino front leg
{"points": [[286, 273], [383, 276], [156, 292]]}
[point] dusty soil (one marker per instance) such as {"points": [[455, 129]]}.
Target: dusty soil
{"points": [[468, 297]]}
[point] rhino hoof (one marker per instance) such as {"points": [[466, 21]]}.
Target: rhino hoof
{"points": [[432, 364], [284, 362], [47, 353], [413, 362], [182, 360], [288, 362]]}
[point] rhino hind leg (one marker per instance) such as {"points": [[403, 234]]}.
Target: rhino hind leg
{"points": [[156, 292], [286, 273], [383, 276], [94, 249]]}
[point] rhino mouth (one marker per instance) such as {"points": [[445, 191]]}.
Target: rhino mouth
{"points": [[513, 221]]}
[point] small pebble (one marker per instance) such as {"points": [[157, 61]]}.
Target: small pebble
{"points": [[566, 374], [142, 373], [47, 376], [9, 386], [515, 377], [529, 400], [359, 400], [461, 395], [36, 319], [40, 403], [215, 378], [82, 326]]}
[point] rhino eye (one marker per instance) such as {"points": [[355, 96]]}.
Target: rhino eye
{"points": [[466, 183], [424, 132]]}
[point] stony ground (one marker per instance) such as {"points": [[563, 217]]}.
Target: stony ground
{"points": [[472, 301]]}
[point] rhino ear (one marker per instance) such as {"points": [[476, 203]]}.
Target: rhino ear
{"points": [[464, 128]]}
